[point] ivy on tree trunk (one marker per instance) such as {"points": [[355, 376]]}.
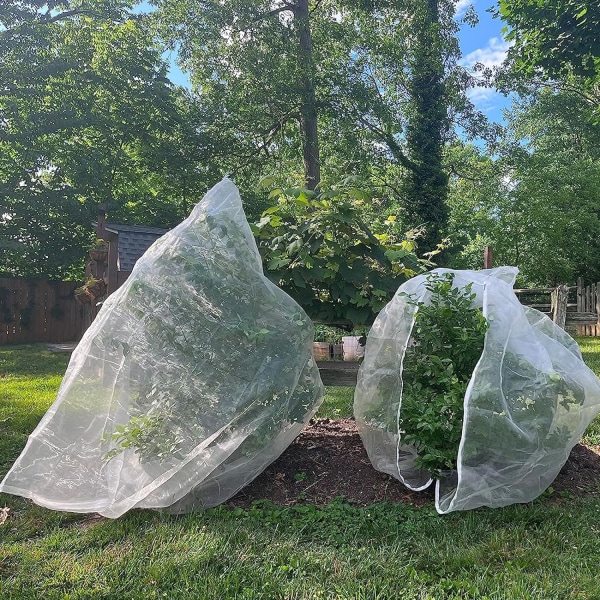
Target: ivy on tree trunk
{"points": [[427, 188], [308, 109]]}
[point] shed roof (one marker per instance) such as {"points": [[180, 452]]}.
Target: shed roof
{"points": [[134, 240]]}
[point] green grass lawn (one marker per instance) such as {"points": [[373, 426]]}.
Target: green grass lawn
{"points": [[548, 549]]}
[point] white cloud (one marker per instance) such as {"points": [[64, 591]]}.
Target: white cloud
{"points": [[492, 55], [488, 101], [482, 96], [461, 7]]}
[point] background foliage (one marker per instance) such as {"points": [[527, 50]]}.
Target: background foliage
{"points": [[310, 93]]}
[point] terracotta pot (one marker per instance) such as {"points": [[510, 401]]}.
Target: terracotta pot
{"points": [[90, 291], [321, 350], [84, 297], [97, 288]]}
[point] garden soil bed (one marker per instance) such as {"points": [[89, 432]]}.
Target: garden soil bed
{"points": [[328, 460]]}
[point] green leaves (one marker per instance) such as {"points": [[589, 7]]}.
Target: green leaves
{"points": [[317, 248], [556, 37], [89, 117], [446, 344]]}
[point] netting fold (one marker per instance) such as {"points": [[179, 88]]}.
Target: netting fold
{"points": [[528, 402], [196, 374]]}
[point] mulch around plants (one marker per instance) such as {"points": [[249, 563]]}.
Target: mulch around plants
{"points": [[328, 460]]}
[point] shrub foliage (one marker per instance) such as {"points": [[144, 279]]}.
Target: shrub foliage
{"points": [[447, 341]]}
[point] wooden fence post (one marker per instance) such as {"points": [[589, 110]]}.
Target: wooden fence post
{"points": [[580, 303], [488, 259], [597, 307], [559, 299]]}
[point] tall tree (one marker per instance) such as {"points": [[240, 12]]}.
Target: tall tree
{"points": [[252, 66], [537, 202], [88, 116], [428, 126], [351, 87], [308, 102]]}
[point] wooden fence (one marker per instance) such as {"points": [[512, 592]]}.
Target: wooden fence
{"points": [[35, 310], [588, 301], [576, 307]]}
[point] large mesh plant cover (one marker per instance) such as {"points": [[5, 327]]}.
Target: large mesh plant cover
{"points": [[196, 374], [528, 402]]}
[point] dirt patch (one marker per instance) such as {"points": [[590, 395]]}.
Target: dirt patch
{"points": [[328, 460], [581, 474]]}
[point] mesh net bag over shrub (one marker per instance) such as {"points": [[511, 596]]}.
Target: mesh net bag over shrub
{"points": [[526, 402], [196, 374]]}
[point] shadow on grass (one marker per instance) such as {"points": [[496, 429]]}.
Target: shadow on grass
{"points": [[31, 361]]}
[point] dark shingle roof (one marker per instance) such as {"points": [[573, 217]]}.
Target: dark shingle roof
{"points": [[134, 240]]}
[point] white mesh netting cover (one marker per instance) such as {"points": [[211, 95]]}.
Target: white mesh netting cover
{"points": [[196, 374], [528, 402]]}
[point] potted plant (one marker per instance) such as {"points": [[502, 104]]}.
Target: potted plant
{"points": [[99, 251], [93, 288], [321, 343]]}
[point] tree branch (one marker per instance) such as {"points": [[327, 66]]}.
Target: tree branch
{"points": [[391, 143], [71, 13], [48, 19], [451, 168], [558, 85], [316, 6]]}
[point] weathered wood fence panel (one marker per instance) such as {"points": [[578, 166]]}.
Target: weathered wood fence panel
{"points": [[588, 301], [36, 310], [574, 306], [338, 373]]}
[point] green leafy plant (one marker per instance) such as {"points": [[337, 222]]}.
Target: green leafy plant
{"points": [[201, 325], [98, 244], [93, 288], [331, 335], [316, 247], [527, 416], [447, 341], [149, 435], [446, 344]]}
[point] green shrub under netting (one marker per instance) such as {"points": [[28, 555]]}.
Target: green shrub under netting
{"points": [[492, 423]]}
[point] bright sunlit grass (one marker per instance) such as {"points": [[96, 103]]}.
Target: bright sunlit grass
{"points": [[337, 403], [590, 350]]}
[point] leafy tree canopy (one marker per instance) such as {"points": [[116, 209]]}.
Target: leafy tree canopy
{"points": [[537, 201], [88, 117], [560, 37], [387, 82]]}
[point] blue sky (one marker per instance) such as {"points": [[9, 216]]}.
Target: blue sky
{"points": [[480, 44], [484, 44]]}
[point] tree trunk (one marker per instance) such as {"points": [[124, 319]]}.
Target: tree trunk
{"points": [[428, 183], [308, 109]]}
